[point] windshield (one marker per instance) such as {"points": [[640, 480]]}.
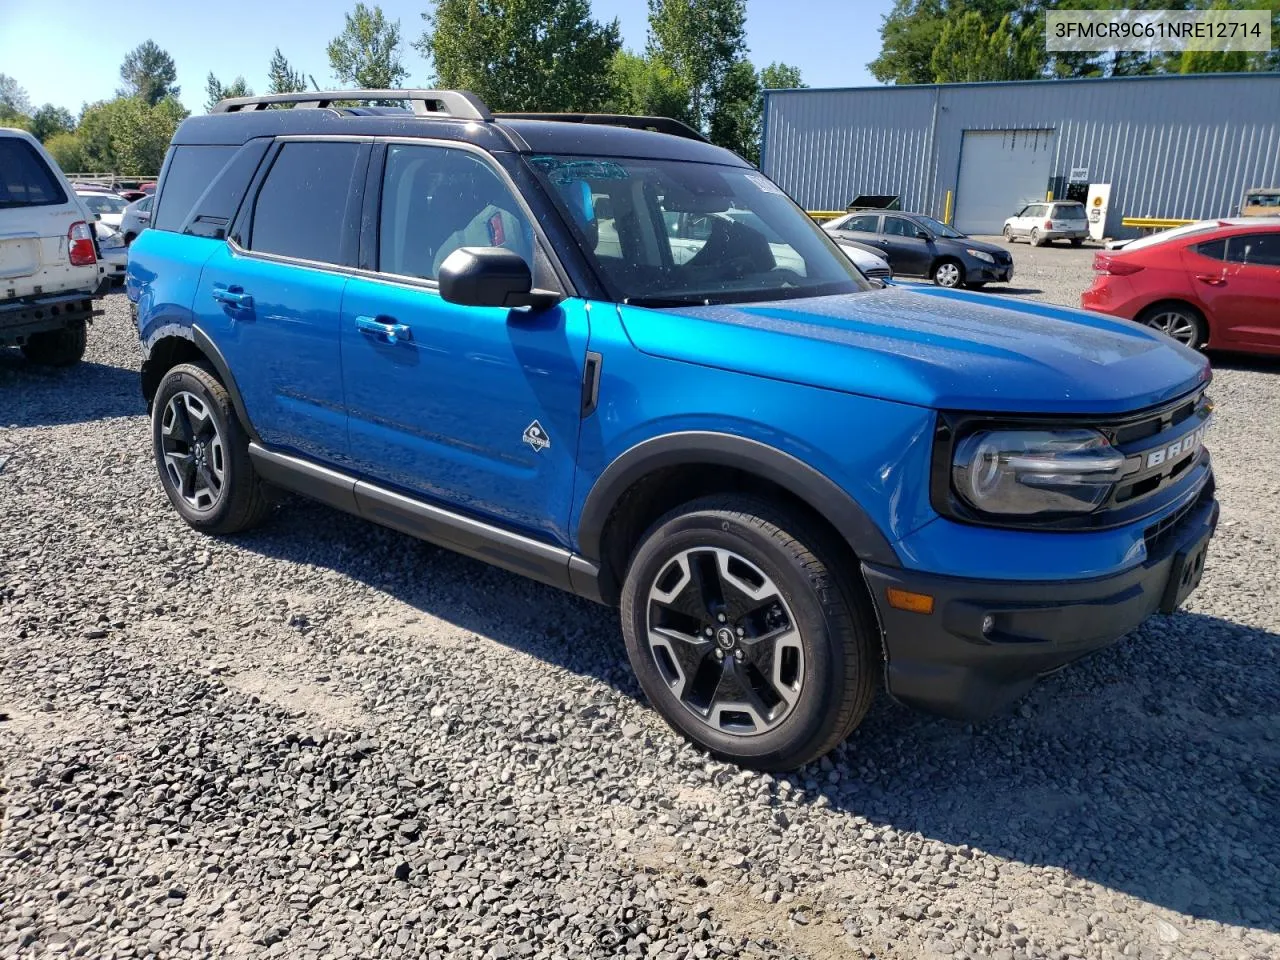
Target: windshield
{"points": [[666, 232], [938, 227], [103, 203]]}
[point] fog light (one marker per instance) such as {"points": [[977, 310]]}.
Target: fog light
{"points": [[988, 624], [911, 602]]}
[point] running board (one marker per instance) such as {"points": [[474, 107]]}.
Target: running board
{"points": [[453, 531]]}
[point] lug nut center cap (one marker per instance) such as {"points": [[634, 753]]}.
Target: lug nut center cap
{"points": [[725, 638]]}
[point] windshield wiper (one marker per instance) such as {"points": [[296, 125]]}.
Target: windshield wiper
{"points": [[667, 301]]}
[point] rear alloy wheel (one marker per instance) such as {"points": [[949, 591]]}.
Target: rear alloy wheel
{"points": [[743, 638], [1179, 322], [1035, 237], [948, 273], [202, 453]]}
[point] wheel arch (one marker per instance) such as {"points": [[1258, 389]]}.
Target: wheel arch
{"points": [[658, 474], [191, 345]]}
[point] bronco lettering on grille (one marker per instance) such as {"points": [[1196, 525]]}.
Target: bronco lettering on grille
{"points": [[1187, 444]]}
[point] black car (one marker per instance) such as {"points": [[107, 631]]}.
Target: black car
{"points": [[920, 246]]}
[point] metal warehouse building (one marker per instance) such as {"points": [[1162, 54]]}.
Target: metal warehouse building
{"points": [[1184, 147]]}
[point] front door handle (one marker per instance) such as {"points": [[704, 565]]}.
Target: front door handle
{"points": [[384, 328], [232, 296], [1212, 280]]}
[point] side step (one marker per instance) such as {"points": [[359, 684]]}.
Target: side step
{"points": [[454, 531]]}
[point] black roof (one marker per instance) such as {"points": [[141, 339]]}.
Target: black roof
{"points": [[319, 113]]}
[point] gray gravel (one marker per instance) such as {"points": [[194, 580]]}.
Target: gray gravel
{"points": [[328, 740]]}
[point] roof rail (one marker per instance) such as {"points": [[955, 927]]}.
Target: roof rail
{"points": [[657, 124], [461, 104]]}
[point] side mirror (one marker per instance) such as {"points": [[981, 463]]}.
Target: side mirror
{"points": [[144, 216], [923, 235], [491, 277]]}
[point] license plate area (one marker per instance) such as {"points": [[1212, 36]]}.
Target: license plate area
{"points": [[1185, 574], [19, 258]]}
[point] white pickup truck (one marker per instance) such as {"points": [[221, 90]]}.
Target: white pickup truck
{"points": [[50, 271]]}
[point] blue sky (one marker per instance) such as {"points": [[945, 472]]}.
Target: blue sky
{"points": [[69, 52]]}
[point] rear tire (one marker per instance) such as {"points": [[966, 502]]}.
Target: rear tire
{"points": [[1179, 321], [789, 667], [202, 453], [57, 348], [1036, 241], [1076, 241]]}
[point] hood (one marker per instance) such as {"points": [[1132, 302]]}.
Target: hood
{"points": [[973, 244], [933, 348]]}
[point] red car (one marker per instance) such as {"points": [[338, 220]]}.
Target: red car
{"points": [[1211, 285]]}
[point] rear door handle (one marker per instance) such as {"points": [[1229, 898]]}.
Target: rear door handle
{"points": [[1212, 280], [384, 328], [232, 296]]}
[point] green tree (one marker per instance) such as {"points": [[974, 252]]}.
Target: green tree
{"points": [[366, 54], [735, 118], [15, 105], [969, 50], [127, 135], [149, 74], [646, 88], [68, 151], [700, 41], [781, 76], [530, 55], [49, 121], [908, 35], [282, 78], [214, 87]]}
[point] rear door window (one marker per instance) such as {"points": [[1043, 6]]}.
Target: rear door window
{"points": [[25, 178], [301, 210], [867, 223], [1255, 249], [190, 171]]}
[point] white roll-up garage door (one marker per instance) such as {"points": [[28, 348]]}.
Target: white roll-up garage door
{"points": [[1000, 172]]}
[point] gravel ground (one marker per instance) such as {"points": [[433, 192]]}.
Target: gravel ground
{"points": [[328, 740]]}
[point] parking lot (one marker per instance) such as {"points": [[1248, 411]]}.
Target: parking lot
{"points": [[325, 739]]}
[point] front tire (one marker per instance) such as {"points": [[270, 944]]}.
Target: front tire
{"points": [[57, 348], [948, 273], [744, 637], [202, 453], [1008, 234]]}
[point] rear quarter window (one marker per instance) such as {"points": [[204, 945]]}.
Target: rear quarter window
{"points": [[25, 178], [190, 171]]}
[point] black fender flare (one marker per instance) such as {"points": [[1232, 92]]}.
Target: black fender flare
{"points": [[697, 447], [204, 343]]}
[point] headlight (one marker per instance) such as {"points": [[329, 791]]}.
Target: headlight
{"points": [[981, 255], [1028, 472]]}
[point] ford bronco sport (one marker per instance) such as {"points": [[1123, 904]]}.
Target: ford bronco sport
{"points": [[477, 329], [49, 265]]}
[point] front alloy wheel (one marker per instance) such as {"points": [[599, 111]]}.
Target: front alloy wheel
{"points": [[725, 642], [743, 636]]}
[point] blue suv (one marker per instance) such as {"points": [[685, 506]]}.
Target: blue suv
{"points": [[603, 353]]}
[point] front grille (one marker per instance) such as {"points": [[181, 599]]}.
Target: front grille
{"points": [[1003, 257], [1160, 532]]}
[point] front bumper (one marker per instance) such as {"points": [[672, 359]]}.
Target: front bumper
{"points": [[944, 662], [977, 271]]}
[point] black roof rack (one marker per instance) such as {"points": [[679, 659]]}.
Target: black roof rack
{"points": [[657, 124], [461, 104]]}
